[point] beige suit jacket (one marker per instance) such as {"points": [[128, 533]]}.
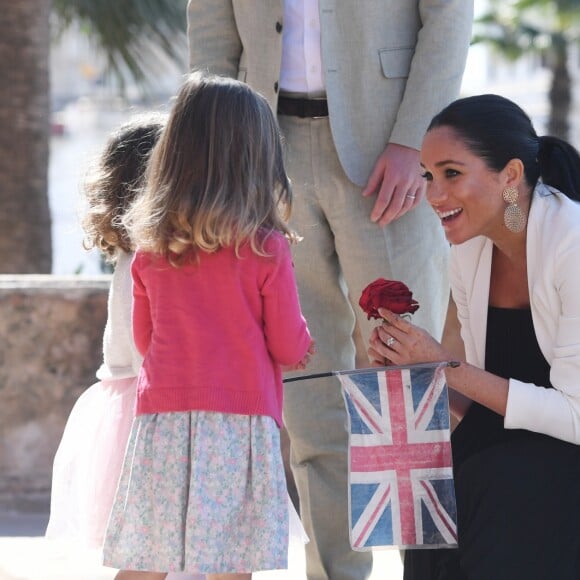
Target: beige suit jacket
{"points": [[389, 65]]}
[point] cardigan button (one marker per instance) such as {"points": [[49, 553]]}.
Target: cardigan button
{"points": [[278, 27], [276, 87]]}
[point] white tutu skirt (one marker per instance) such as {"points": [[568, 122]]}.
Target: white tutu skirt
{"points": [[88, 462]]}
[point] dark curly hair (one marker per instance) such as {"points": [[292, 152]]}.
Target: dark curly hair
{"points": [[113, 182]]}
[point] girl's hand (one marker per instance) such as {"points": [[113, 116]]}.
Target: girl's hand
{"points": [[301, 365], [399, 342]]}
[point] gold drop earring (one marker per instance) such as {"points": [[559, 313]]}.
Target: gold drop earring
{"points": [[513, 217]]}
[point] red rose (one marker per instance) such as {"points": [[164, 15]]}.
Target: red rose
{"points": [[390, 294]]}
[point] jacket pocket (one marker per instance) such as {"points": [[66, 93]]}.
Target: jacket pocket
{"points": [[396, 62]]}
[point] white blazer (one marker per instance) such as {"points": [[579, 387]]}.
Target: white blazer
{"points": [[553, 256]]}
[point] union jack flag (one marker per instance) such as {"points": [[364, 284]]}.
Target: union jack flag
{"points": [[401, 489]]}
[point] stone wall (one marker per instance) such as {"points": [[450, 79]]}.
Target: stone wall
{"points": [[51, 332]]}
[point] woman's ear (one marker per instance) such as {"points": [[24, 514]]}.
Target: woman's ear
{"points": [[514, 173]]}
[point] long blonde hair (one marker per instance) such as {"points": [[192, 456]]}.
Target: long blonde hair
{"points": [[216, 177]]}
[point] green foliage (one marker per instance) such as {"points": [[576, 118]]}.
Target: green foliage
{"points": [[561, 6], [549, 27], [518, 26], [132, 33]]}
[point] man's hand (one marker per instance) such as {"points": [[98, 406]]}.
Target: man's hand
{"points": [[396, 179]]}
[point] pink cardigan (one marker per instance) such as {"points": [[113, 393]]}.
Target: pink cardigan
{"points": [[213, 334]]}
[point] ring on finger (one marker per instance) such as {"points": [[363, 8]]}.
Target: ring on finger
{"points": [[391, 342], [411, 196]]}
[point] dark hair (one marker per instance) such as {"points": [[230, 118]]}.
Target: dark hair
{"points": [[114, 180], [497, 130]]}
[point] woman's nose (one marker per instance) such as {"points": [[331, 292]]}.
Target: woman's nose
{"points": [[434, 193]]}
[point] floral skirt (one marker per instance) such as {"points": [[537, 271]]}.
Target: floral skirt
{"points": [[201, 493]]}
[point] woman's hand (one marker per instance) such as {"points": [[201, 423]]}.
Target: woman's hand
{"points": [[376, 357], [399, 342]]}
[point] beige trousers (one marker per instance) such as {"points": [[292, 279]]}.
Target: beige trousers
{"points": [[341, 253]]}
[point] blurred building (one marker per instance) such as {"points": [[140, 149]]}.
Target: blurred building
{"points": [[87, 104]]}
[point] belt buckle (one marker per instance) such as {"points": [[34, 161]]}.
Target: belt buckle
{"points": [[320, 99]]}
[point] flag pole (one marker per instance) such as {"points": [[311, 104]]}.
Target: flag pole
{"points": [[452, 364]]}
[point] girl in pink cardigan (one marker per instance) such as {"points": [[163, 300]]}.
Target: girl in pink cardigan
{"points": [[216, 316]]}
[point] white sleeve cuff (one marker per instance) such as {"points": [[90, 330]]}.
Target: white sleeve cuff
{"points": [[517, 410], [542, 410]]}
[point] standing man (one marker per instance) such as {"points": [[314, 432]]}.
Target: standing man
{"points": [[355, 85]]}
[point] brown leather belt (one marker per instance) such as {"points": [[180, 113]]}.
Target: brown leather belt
{"points": [[304, 108]]}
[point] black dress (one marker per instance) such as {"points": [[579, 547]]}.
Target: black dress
{"points": [[518, 492]]}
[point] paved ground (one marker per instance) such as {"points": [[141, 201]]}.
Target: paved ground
{"points": [[26, 555]]}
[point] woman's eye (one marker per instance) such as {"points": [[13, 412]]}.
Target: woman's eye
{"points": [[427, 176], [451, 173]]}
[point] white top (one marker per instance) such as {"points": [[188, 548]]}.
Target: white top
{"points": [[301, 70], [553, 250], [121, 359]]}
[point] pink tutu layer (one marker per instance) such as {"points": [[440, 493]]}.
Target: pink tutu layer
{"points": [[88, 462]]}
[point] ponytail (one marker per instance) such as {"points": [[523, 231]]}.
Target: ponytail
{"points": [[560, 166]]}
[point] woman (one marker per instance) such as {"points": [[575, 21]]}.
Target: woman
{"points": [[508, 202]]}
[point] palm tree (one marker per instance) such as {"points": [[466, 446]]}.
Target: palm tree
{"points": [[549, 27], [25, 242], [131, 33]]}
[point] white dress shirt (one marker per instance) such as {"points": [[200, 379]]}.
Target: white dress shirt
{"points": [[301, 70]]}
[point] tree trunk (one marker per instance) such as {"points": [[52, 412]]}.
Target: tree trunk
{"points": [[560, 94], [25, 225]]}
